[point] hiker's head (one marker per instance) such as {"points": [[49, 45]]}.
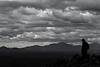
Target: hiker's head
{"points": [[83, 39]]}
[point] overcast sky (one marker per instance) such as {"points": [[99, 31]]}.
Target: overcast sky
{"points": [[19, 22], [92, 4]]}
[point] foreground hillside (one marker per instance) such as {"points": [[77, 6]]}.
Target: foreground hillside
{"points": [[53, 55]]}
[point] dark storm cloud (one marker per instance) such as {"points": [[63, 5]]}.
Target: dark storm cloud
{"points": [[87, 4], [35, 3]]}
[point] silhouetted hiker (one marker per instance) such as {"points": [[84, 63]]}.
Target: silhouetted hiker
{"points": [[84, 49]]}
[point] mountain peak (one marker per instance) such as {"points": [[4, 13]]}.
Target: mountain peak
{"points": [[61, 44]]}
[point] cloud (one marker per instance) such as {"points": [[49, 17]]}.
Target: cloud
{"points": [[32, 15], [28, 22], [35, 3], [84, 4], [23, 44], [88, 4], [26, 16], [19, 24]]}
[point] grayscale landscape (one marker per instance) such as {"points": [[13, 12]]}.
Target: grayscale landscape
{"points": [[48, 29]]}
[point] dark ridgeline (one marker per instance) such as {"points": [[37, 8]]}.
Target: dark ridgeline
{"points": [[85, 48], [46, 56]]}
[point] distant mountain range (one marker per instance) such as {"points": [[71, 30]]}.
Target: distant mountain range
{"points": [[52, 50], [55, 47]]}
